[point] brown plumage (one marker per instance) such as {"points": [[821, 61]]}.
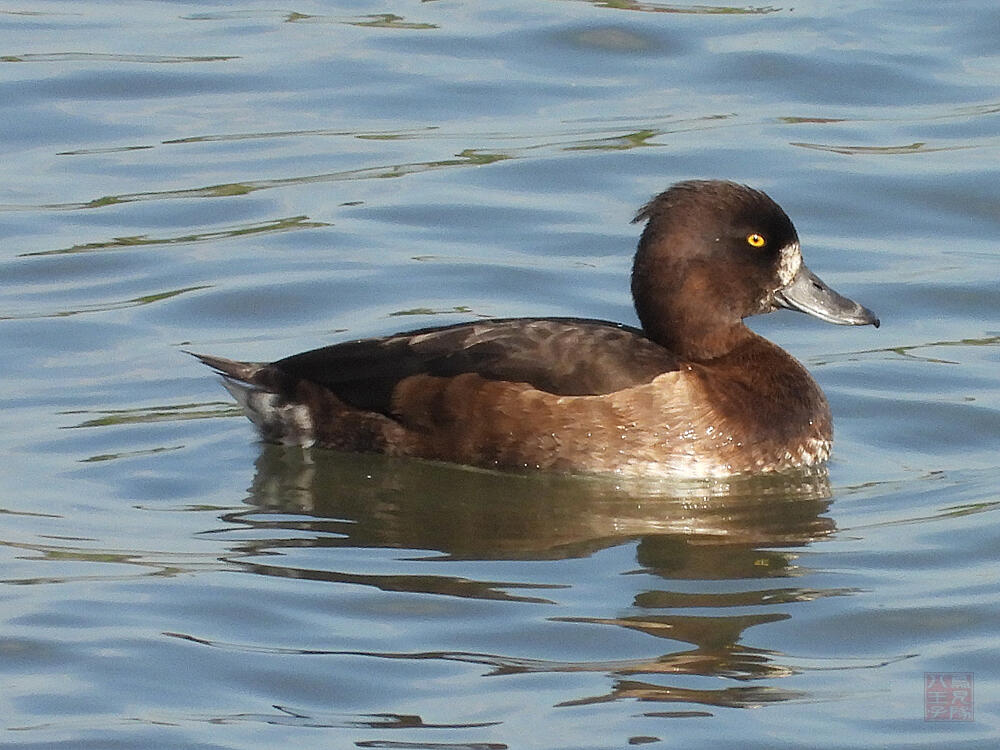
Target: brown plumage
{"points": [[694, 392]]}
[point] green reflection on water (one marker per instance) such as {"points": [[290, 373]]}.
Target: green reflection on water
{"points": [[458, 309], [466, 158], [684, 9], [265, 227], [103, 57], [148, 414], [145, 299], [910, 148], [390, 21]]}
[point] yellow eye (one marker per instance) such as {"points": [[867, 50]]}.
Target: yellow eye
{"points": [[755, 240]]}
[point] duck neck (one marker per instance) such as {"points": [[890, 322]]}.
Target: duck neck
{"points": [[682, 322], [697, 340]]}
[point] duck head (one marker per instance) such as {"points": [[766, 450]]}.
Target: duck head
{"points": [[713, 253]]}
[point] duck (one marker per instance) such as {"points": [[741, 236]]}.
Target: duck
{"points": [[691, 392]]}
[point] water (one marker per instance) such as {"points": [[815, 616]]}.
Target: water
{"points": [[252, 182]]}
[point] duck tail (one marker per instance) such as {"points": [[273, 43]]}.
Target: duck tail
{"points": [[231, 368], [277, 419]]}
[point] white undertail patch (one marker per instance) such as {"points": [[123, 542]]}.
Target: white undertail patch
{"points": [[276, 419]]}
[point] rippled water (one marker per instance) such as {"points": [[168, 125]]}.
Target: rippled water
{"points": [[253, 181]]}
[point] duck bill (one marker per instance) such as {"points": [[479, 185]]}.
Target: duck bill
{"points": [[807, 293]]}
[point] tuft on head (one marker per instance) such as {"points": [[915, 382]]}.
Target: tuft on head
{"points": [[720, 196]]}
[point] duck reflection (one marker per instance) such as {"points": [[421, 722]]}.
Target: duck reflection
{"points": [[718, 547], [686, 529]]}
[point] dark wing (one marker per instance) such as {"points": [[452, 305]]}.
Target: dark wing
{"points": [[564, 356]]}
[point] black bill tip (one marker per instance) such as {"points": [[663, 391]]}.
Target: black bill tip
{"points": [[809, 294]]}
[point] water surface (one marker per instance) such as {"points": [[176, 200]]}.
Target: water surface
{"points": [[253, 181]]}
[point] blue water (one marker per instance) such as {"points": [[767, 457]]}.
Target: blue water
{"points": [[253, 181]]}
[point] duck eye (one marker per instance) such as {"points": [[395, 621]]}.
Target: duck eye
{"points": [[756, 240]]}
